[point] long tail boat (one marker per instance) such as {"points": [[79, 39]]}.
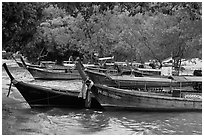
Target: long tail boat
{"points": [[44, 64], [22, 63], [45, 74], [40, 96], [52, 74], [116, 98], [144, 82]]}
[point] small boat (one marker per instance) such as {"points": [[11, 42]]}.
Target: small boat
{"points": [[115, 69], [115, 98], [48, 74], [52, 74], [43, 64], [22, 63], [144, 82], [135, 68], [40, 96], [124, 99]]}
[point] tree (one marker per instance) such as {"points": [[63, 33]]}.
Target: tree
{"points": [[136, 31], [60, 32], [167, 35], [19, 21]]}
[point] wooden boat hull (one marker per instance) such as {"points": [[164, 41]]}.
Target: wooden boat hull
{"points": [[148, 83], [131, 82], [38, 96], [114, 98], [53, 75]]}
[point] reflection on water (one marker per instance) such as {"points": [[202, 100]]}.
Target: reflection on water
{"points": [[58, 121]]}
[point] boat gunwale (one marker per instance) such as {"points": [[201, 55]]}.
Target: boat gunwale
{"points": [[142, 93], [53, 90], [52, 70]]}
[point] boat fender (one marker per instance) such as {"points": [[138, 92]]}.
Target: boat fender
{"points": [[89, 83], [86, 85], [83, 91]]}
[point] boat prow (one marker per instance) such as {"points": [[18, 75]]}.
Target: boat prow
{"points": [[40, 96]]}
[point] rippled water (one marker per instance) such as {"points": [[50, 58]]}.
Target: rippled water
{"points": [[56, 121], [72, 121]]}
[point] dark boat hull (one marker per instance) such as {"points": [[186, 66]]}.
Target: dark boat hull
{"points": [[114, 98], [53, 75], [37, 96]]}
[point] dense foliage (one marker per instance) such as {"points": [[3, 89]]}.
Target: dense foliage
{"points": [[134, 31]]}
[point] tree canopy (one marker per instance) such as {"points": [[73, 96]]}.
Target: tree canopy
{"points": [[134, 31]]}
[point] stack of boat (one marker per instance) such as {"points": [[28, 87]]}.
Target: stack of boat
{"points": [[126, 89]]}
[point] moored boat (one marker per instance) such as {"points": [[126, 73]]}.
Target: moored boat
{"points": [[116, 98], [145, 82], [46, 74], [52, 74], [22, 63], [40, 96]]}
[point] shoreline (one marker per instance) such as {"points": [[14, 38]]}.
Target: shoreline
{"points": [[10, 105]]}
